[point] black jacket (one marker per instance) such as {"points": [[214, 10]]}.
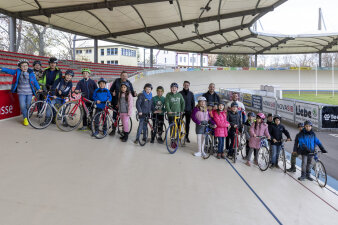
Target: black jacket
{"points": [[212, 97], [277, 132], [88, 87], [63, 86], [234, 119], [295, 146], [116, 87], [143, 105], [189, 100]]}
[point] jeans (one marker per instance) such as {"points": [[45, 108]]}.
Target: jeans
{"points": [[142, 125], [220, 144], [25, 102], [248, 157], [306, 164], [275, 153]]}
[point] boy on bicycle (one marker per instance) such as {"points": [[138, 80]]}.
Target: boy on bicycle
{"points": [[144, 106], [234, 118], [101, 96], [307, 141], [158, 114], [295, 151], [174, 102]]}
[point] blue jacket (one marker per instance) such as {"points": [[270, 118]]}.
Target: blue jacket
{"points": [[16, 73], [88, 87], [103, 95], [307, 142], [61, 85]]}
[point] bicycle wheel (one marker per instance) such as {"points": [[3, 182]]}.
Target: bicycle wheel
{"points": [[242, 146], [171, 138], [182, 133], [37, 114], [120, 126], [143, 136], [208, 148], [100, 125], [283, 159], [69, 116], [263, 158], [160, 133], [234, 158], [320, 173]]}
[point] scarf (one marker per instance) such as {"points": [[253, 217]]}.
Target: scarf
{"points": [[148, 96]]}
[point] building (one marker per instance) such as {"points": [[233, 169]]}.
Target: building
{"points": [[108, 54], [170, 58]]}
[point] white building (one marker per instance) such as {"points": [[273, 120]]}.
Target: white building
{"points": [[170, 58]]}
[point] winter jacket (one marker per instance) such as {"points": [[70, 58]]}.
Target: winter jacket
{"points": [[130, 103], [277, 132], [211, 97], [307, 141], [103, 95], [38, 75], [234, 119], [201, 119], [158, 104], [143, 105], [221, 122], [247, 126], [49, 78], [296, 146], [261, 130], [116, 87], [16, 77], [63, 86], [174, 102], [87, 87], [189, 100]]}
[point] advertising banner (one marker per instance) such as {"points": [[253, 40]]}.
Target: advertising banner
{"points": [[269, 105], [286, 109], [330, 117], [305, 111], [247, 99], [257, 102], [9, 104]]}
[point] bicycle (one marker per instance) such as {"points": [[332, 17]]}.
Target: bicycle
{"points": [[70, 114], [175, 133], [42, 112], [281, 156], [263, 154], [235, 146], [319, 169], [242, 145], [210, 145]]}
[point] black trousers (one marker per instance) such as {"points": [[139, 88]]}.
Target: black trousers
{"points": [[159, 119], [85, 119], [187, 116]]}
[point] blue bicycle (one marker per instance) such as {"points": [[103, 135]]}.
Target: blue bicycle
{"points": [[42, 112]]}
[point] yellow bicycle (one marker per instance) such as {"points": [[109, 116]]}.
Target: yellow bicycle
{"points": [[175, 134]]}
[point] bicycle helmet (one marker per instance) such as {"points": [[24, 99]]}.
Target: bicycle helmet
{"points": [[22, 61], [125, 84], [234, 104], [300, 125], [222, 103], [70, 72], [261, 115], [201, 98], [173, 85], [52, 60], [277, 117], [148, 85], [251, 114], [160, 88], [37, 62], [211, 104], [307, 122], [102, 80], [85, 70]]}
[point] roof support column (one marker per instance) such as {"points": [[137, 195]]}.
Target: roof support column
{"points": [[256, 61], [201, 60], [12, 34], [144, 57], [320, 59], [151, 57], [96, 51]]}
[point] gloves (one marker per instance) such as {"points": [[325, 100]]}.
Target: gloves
{"points": [[322, 149], [204, 123]]}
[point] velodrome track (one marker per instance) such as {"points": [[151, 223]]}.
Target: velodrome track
{"points": [[55, 178]]}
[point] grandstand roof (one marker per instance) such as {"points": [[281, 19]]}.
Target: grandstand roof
{"points": [[218, 26]]}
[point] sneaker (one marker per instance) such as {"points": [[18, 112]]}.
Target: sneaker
{"points": [[104, 133], [309, 178], [144, 139], [198, 154], [247, 163], [160, 140], [25, 122], [277, 166], [95, 133], [291, 169], [301, 178], [272, 166], [187, 140], [112, 133], [223, 156], [84, 128], [136, 141], [152, 141], [256, 162], [218, 156]]}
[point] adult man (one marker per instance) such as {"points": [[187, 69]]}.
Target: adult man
{"points": [[211, 95], [115, 89], [189, 106], [51, 74]]}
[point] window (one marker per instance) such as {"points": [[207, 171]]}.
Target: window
{"points": [[180, 58], [88, 51], [165, 60], [114, 62], [112, 51], [78, 51], [185, 59], [102, 62], [191, 60], [128, 52], [102, 51], [203, 60]]}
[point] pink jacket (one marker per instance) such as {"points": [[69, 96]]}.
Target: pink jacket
{"points": [[222, 124], [262, 130]]}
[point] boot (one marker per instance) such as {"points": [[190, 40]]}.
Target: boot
{"points": [[187, 139], [152, 138], [112, 133], [121, 138], [308, 176], [302, 177], [292, 169], [223, 156], [125, 137]]}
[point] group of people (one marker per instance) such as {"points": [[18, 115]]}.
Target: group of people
{"points": [[228, 120]]}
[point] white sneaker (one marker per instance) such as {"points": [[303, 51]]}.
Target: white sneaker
{"points": [[198, 154]]}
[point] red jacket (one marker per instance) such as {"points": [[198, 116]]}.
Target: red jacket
{"points": [[222, 124]]}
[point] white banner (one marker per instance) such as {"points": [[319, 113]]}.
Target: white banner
{"points": [[286, 109], [306, 111], [269, 105]]}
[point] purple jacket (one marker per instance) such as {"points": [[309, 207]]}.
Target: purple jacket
{"points": [[194, 118]]}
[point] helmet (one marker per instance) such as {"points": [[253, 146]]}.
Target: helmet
{"points": [[148, 85], [211, 104], [222, 103], [70, 72], [277, 117], [307, 122], [52, 60], [173, 85], [102, 80], [125, 84], [261, 115], [37, 62], [22, 61], [300, 125], [234, 104], [85, 70], [251, 114], [201, 98], [160, 88]]}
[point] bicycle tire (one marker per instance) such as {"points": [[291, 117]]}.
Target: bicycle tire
{"points": [[208, 148], [284, 161], [120, 126], [234, 157], [171, 139], [321, 180], [162, 135], [38, 119], [182, 133], [103, 119], [242, 147], [263, 158], [142, 140], [69, 116]]}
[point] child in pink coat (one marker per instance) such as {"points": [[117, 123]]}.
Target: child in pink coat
{"points": [[125, 103], [221, 130], [259, 128]]}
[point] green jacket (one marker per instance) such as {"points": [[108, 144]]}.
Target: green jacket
{"points": [[174, 102], [158, 104]]}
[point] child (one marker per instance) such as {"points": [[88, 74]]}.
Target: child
{"points": [[50, 74], [87, 86], [277, 131], [247, 126], [101, 96], [125, 106], [158, 112], [295, 152], [210, 107], [174, 103], [307, 141], [37, 70], [143, 105], [259, 128], [24, 83], [221, 130], [201, 117], [234, 118]]}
